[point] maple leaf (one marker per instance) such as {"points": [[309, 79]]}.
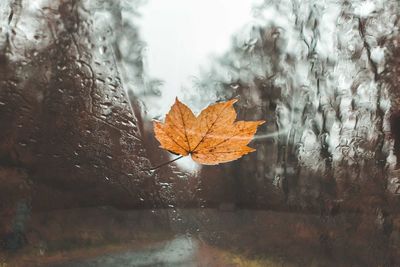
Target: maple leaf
{"points": [[212, 137]]}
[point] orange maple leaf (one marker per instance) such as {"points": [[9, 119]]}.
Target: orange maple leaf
{"points": [[212, 137]]}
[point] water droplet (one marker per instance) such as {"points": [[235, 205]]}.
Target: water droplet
{"points": [[103, 50]]}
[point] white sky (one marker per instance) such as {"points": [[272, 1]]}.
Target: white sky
{"points": [[181, 36]]}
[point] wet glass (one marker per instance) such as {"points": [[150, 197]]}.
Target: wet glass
{"points": [[84, 182]]}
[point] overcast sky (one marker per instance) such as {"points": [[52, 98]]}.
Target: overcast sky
{"points": [[181, 35]]}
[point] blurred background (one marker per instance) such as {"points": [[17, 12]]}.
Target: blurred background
{"points": [[82, 81]]}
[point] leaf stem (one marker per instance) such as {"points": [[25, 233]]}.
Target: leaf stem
{"points": [[163, 164]]}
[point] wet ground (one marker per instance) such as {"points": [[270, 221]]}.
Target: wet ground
{"points": [[203, 237], [181, 251]]}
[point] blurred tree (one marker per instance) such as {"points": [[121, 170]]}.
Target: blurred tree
{"points": [[315, 72], [66, 120]]}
